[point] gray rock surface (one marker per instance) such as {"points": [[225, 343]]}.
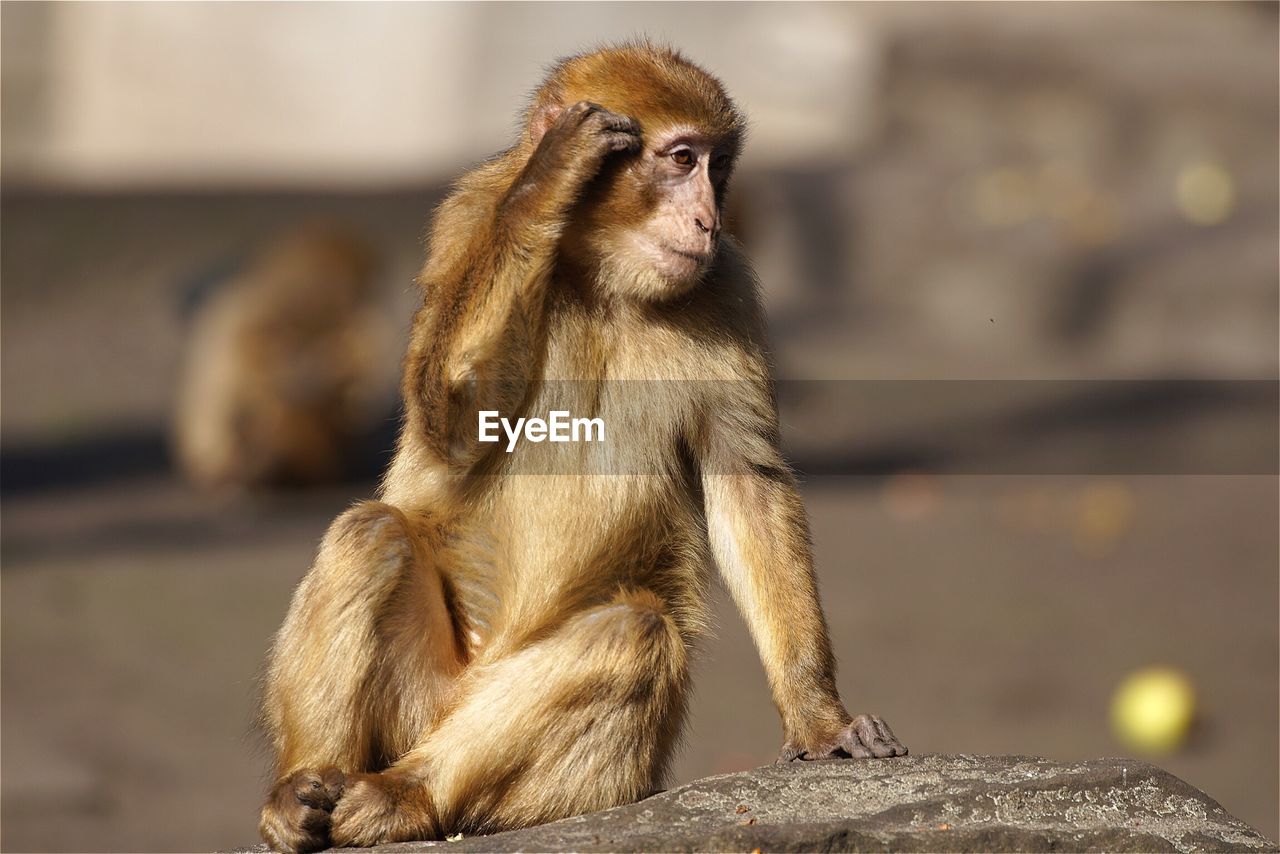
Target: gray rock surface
{"points": [[916, 803]]}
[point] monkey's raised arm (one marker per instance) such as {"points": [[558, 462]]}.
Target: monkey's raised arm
{"points": [[493, 247], [759, 536]]}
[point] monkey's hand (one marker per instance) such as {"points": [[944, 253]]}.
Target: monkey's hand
{"points": [[571, 152], [865, 737], [297, 812], [380, 808]]}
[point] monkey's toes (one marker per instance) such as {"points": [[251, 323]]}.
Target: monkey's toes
{"points": [[867, 737], [380, 808], [318, 789], [297, 814]]}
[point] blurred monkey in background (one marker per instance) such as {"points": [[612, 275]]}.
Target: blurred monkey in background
{"points": [[489, 646], [284, 365]]}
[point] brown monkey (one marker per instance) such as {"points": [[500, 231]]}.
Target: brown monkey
{"points": [[500, 641], [283, 365]]}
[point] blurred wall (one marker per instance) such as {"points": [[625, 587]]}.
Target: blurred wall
{"points": [[127, 94], [993, 177], [348, 94]]}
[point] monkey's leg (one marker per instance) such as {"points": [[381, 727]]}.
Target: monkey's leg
{"points": [[581, 720], [358, 669]]}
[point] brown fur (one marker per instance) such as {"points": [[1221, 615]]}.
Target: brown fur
{"points": [[503, 639], [282, 365]]}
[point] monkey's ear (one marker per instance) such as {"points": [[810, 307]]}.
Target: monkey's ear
{"points": [[544, 116]]}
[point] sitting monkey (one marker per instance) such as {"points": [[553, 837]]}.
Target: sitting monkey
{"points": [[282, 373], [488, 645]]}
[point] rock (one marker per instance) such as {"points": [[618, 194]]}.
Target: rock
{"points": [[915, 803]]}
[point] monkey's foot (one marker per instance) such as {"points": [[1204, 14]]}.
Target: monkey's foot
{"points": [[380, 808], [866, 737], [298, 810]]}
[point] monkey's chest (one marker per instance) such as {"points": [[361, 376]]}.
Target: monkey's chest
{"points": [[599, 427], [600, 492], [550, 544]]}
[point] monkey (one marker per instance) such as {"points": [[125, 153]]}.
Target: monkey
{"points": [[282, 370], [495, 641]]}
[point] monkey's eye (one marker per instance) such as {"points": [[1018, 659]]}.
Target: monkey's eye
{"points": [[684, 157]]}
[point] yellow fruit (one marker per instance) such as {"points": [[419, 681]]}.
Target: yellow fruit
{"points": [[1206, 192], [1153, 709]]}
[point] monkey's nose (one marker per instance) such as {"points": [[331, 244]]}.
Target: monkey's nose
{"points": [[701, 227]]}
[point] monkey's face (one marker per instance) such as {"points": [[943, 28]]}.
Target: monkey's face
{"points": [[653, 218], [647, 224]]}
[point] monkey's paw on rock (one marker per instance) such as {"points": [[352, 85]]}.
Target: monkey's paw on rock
{"points": [[915, 803]]}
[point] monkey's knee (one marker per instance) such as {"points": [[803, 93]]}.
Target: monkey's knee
{"points": [[634, 638], [380, 557], [372, 535], [336, 638], [634, 614], [367, 555], [376, 579]]}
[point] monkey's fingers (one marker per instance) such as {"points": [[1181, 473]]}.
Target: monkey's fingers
{"points": [[620, 133], [617, 132], [618, 122], [584, 111], [867, 736], [630, 143]]}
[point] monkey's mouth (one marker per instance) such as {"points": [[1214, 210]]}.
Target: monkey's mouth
{"points": [[677, 266], [700, 257], [684, 259]]}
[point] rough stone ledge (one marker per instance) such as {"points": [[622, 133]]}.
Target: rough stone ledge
{"points": [[914, 803]]}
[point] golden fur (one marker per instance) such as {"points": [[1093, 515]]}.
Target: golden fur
{"points": [[503, 639]]}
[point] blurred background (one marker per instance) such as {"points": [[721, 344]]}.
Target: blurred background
{"points": [[1021, 266]]}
